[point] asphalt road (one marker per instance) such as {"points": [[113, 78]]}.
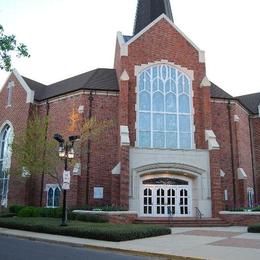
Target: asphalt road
{"points": [[21, 249]]}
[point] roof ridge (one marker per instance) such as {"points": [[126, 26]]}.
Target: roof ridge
{"points": [[248, 94]]}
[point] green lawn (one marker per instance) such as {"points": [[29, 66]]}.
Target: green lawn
{"points": [[99, 231]]}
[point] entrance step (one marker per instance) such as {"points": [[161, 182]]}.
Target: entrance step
{"points": [[183, 222]]}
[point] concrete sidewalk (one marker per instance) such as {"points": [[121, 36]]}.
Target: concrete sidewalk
{"points": [[194, 243]]}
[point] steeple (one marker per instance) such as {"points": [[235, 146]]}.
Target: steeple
{"points": [[148, 10]]}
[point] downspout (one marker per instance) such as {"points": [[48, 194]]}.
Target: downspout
{"points": [[44, 151], [89, 116], [232, 154], [253, 156]]}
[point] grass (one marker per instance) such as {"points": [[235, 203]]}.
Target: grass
{"points": [[98, 231]]}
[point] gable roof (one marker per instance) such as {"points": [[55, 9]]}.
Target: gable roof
{"points": [[148, 10], [251, 102], [98, 79], [217, 92]]}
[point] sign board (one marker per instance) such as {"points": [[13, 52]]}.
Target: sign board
{"points": [[98, 192], [77, 169], [66, 180]]}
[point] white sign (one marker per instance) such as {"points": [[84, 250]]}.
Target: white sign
{"points": [[98, 192], [66, 180]]}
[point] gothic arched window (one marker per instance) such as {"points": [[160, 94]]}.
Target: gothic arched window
{"points": [[6, 138], [164, 108]]}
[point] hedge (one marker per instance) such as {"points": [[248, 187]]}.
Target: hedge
{"points": [[254, 228], [98, 231]]}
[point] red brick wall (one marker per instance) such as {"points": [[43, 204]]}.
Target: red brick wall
{"points": [[241, 149], [148, 48], [256, 141], [17, 114], [103, 150], [241, 219]]}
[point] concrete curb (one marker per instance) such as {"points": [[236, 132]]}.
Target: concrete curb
{"points": [[104, 248]]}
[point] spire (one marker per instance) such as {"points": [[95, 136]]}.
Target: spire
{"points": [[148, 10]]}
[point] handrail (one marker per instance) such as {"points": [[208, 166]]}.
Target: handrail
{"points": [[198, 213]]}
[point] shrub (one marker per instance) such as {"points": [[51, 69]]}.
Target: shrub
{"points": [[26, 212], [16, 208], [7, 215], [91, 218], [99, 231], [254, 228], [256, 208]]}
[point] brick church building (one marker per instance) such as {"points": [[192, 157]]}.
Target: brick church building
{"points": [[179, 141]]}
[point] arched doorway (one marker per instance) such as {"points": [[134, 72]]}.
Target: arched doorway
{"points": [[164, 196]]}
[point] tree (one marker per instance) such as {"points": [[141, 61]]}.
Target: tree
{"points": [[36, 154], [8, 46]]}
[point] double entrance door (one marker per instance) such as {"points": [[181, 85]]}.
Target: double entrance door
{"points": [[165, 201]]}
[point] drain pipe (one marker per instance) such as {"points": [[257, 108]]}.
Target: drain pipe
{"points": [[89, 116], [232, 154], [44, 151]]}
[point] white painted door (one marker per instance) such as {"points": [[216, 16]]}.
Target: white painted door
{"points": [[162, 201]]}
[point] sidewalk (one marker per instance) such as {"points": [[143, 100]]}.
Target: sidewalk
{"points": [[197, 243]]}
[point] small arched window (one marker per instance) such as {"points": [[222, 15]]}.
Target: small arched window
{"points": [[164, 108], [53, 195]]}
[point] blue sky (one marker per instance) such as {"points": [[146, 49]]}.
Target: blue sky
{"points": [[68, 37]]}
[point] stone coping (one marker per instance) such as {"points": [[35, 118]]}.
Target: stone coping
{"points": [[105, 212], [247, 213]]}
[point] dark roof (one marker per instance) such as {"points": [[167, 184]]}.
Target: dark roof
{"points": [[127, 38], [217, 92], [251, 102], [98, 79], [148, 10]]}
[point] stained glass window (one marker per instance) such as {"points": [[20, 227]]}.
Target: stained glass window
{"points": [[164, 108], [53, 196]]}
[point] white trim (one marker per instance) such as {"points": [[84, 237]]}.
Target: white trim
{"points": [[124, 76], [140, 68], [210, 137], [163, 16], [241, 175], [239, 213], [117, 169], [205, 82], [124, 135], [30, 93], [123, 46]]}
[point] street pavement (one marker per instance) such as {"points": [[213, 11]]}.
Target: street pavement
{"points": [[12, 248], [216, 243]]}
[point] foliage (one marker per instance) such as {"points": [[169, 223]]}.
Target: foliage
{"points": [[99, 231], [8, 46], [100, 208], [16, 208], [256, 208], [91, 218], [254, 228], [33, 152], [40, 212], [7, 215]]}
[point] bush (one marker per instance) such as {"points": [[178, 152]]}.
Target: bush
{"points": [[7, 215], [99, 231], [40, 212], [256, 208], [254, 228], [15, 208], [91, 218]]}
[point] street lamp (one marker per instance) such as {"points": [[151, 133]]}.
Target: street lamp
{"points": [[66, 152]]}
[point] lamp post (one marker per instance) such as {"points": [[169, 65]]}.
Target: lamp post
{"points": [[66, 152]]}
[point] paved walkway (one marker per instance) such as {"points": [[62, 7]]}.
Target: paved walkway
{"points": [[204, 243]]}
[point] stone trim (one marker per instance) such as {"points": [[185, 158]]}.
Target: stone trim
{"points": [[139, 68], [210, 137], [123, 46], [124, 135], [249, 213], [104, 212], [170, 167]]}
